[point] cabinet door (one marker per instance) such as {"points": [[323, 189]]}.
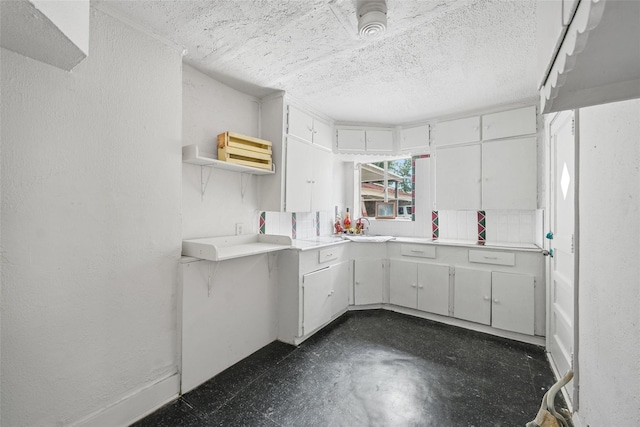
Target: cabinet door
{"points": [[300, 124], [369, 274], [316, 294], [403, 282], [472, 295], [415, 137], [509, 123], [322, 134], [351, 140], [320, 162], [458, 178], [509, 170], [433, 288], [512, 302], [299, 181], [457, 131], [379, 140], [340, 285]]}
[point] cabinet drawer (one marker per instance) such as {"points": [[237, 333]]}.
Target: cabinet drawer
{"points": [[328, 254], [489, 257], [421, 251]]}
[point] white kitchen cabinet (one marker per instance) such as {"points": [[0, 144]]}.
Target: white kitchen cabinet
{"points": [[506, 124], [304, 126], [340, 287], [512, 302], [459, 178], [472, 295], [316, 296], [369, 140], [415, 138], [509, 174], [458, 131], [369, 281], [307, 183], [433, 288], [380, 141], [419, 285]]}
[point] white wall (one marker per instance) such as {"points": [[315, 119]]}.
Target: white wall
{"points": [[210, 108], [609, 257], [90, 226]]}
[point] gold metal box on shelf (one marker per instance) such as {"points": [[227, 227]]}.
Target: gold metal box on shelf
{"points": [[244, 150]]}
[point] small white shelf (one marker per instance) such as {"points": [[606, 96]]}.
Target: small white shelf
{"points": [[192, 155]]}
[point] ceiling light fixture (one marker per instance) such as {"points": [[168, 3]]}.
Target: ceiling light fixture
{"points": [[372, 18]]}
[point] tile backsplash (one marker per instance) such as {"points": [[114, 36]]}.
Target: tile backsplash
{"points": [[501, 226]]}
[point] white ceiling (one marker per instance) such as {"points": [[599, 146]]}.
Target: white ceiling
{"points": [[438, 57]]}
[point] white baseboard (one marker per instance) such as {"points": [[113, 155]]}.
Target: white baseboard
{"points": [[135, 406]]}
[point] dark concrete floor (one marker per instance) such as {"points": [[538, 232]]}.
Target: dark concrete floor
{"points": [[373, 368]]}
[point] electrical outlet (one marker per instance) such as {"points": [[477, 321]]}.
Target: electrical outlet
{"points": [[239, 228]]}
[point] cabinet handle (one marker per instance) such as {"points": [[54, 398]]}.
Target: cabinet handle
{"points": [[490, 257], [496, 300], [413, 285], [417, 251], [357, 283], [421, 286], [486, 298]]}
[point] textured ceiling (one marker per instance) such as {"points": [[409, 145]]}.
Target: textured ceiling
{"points": [[437, 57]]}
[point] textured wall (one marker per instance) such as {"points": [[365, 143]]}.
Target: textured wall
{"points": [[609, 255], [90, 226], [210, 108]]}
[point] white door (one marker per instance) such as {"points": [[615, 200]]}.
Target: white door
{"points": [[369, 278], [560, 339], [433, 288], [316, 289], [458, 178], [340, 287], [403, 283], [472, 295], [299, 179], [512, 301], [300, 124]]}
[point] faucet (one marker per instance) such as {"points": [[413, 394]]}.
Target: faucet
{"points": [[362, 229]]}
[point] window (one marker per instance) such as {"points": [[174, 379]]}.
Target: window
{"points": [[387, 181]]}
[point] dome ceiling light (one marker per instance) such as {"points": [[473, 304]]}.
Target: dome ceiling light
{"points": [[372, 18]]}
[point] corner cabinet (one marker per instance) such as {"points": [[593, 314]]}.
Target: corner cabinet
{"points": [[300, 184], [313, 289]]}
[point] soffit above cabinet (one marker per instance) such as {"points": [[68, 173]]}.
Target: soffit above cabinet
{"points": [[599, 59]]}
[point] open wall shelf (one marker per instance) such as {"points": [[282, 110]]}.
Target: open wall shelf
{"points": [[192, 155]]}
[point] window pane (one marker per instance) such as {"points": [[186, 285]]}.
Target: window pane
{"points": [[397, 187]]}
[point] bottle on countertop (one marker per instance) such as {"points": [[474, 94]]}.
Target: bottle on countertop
{"points": [[347, 220]]}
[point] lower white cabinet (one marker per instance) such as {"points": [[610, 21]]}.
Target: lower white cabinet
{"points": [[369, 281], [313, 289], [503, 300], [472, 295], [420, 286], [316, 297], [512, 302]]}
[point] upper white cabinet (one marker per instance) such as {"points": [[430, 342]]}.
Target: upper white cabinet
{"points": [[302, 158], [458, 131], [509, 174], [307, 183], [413, 138], [506, 124], [498, 173], [365, 140], [459, 178], [308, 128]]}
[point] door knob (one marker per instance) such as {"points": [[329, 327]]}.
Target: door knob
{"points": [[549, 235]]}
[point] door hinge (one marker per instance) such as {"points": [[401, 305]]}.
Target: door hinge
{"points": [[572, 243], [573, 126]]}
